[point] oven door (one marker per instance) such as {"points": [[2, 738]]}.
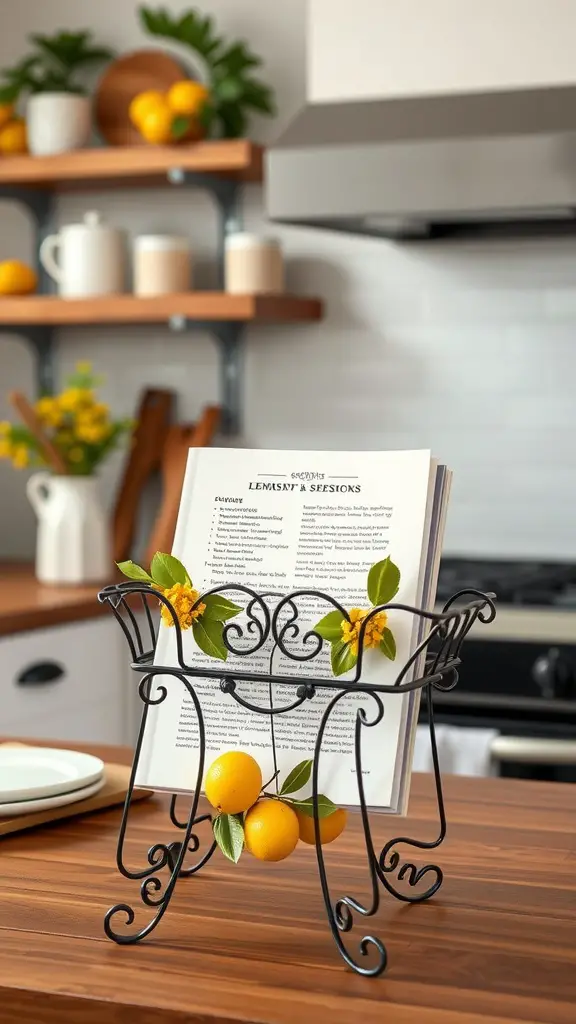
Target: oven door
{"points": [[525, 691]]}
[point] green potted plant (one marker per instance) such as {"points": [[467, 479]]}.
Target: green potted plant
{"points": [[58, 115]]}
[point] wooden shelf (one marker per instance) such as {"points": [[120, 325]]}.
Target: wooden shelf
{"points": [[119, 166], [51, 311]]}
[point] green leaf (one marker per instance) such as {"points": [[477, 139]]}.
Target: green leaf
{"points": [[325, 806], [134, 572], [228, 90], [342, 658], [229, 834], [388, 644], [166, 570], [330, 627], [9, 93], [180, 125], [383, 581], [258, 96], [219, 609], [208, 636], [297, 778]]}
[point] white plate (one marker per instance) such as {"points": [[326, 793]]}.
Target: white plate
{"points": [[29, 773], [47, 803]]}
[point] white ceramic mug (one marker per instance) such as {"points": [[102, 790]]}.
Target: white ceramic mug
{"points": [[92, 258], [57, 122]]}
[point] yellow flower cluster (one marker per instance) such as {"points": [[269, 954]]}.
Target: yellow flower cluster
{"points": [[374, 629], [9, 449], [76, 416], [182, 598]]}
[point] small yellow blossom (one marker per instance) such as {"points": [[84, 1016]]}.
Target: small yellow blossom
{"points": [[92, 433], [5, 428], [49, 411], [20, 457], [84, 368], [182, 598], [374, 628], [5, 448], [74, 399], [76, 454]]}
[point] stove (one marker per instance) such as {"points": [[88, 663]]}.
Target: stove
{"points": [[519, 678], [543, 584]]}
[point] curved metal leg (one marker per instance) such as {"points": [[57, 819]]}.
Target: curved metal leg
{"points": [[341, 914], [155, 892], [390, 861]]}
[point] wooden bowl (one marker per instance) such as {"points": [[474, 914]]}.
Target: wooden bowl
{"points": [[121, 82]]}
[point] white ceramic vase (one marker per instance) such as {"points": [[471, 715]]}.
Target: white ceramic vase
{"points": [[57, 122], [73, 542]]}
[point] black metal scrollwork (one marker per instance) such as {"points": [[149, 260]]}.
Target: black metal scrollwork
{"points": [[279, 627]]}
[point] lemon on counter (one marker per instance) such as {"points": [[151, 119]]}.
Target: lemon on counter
{"points": [[13, 137], [271, 830], [187, 97], [17, 278], [233, 782]]}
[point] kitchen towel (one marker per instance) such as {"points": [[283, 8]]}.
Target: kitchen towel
{"points": [[460, 751]]}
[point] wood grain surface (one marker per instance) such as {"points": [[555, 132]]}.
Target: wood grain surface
{"points": [[123, 166], [250, 943], [118, 309], [125, 78], [27, 604]]}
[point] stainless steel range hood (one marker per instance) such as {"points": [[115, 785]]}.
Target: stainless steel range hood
{"points": [[432, 166]]}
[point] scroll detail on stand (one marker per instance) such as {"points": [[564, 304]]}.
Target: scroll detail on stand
{"points": [[282, 622]]}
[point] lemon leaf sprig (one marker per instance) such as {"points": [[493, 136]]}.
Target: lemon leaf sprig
{"points": [[343, 634], [206, 618]]}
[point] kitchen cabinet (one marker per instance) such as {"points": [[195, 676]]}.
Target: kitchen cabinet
{"points": [[407, 48], [66, 682]]}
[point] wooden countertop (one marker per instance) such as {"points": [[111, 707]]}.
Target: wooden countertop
{"points": [[251, 944], [27, 604]]}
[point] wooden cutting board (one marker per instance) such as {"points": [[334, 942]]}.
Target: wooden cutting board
{"points": [[179, 439], [112, 793], [144, 459], [121, 82]]}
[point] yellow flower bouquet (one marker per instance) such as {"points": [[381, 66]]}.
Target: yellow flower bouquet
{"points": [[78, 425]]}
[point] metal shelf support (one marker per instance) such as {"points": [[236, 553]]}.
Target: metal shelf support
{"points": [[229, 336]]}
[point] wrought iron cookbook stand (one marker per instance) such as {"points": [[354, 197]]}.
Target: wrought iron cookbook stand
{"points": [[438, 653]]}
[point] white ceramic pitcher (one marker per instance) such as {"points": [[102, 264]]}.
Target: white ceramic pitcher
{"points": [[73, 543]]}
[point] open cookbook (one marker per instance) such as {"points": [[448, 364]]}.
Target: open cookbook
{"points": [[283, 521]]}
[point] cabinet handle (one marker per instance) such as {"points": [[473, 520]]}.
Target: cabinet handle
{"points": [[40, 673]]}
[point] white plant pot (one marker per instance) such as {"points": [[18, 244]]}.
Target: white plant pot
{"points": [[73, 541], [57, 122]]}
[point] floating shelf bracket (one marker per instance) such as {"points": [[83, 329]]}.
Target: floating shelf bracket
{"points": [[229, 335]]}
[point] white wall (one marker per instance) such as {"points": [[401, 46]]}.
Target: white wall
{"points": [[421, 47], [468, 349]]}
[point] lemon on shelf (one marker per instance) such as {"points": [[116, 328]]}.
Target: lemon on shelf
{"points": [[187, 97], [145, 103], [6, 113], [13, 137], [17, 278]]}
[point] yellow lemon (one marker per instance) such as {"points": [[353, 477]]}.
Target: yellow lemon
{"points": [[233, 782], [13, 137], [271, 830], [144, 103], [330, 827], [187, 97], [156, 126], [6, 112], [16, 278]]}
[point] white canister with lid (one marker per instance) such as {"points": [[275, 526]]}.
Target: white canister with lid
{"points": [[253, 265], [162, 265], [91, 258]]}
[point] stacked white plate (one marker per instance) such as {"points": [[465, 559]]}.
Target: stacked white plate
{"points": [[38, 778]]}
